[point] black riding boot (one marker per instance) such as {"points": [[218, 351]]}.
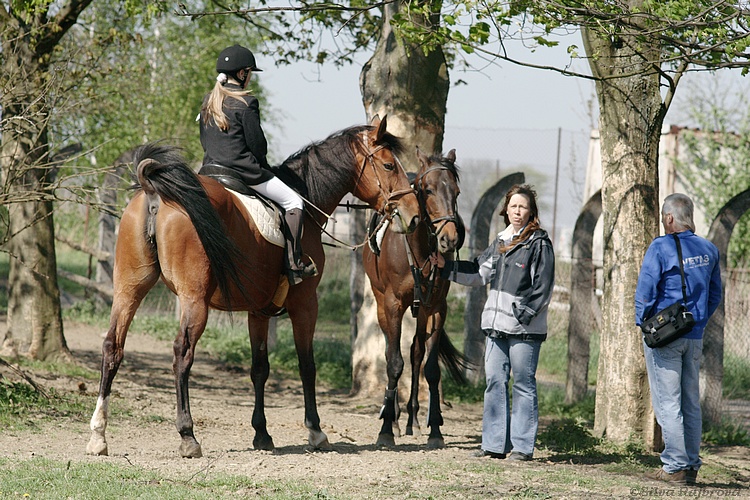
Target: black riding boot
{"points": [[297, 269]]}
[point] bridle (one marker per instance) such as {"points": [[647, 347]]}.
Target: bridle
{"points": [[390, 199], [444, 219]]}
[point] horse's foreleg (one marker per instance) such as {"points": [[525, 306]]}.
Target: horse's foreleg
{"points": [[390, 323], [303, 325], [432, 375], [416, 357], [192, 324], [259, 370]]}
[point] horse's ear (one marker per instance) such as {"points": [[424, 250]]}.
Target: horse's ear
{"points": [[381, 125], [451, 156], [424, 160]]}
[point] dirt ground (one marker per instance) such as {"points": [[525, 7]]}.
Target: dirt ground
{"points": [[221, 404]]}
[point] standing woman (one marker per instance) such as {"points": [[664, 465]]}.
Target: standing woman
{"points": [[520, 268], [234, 145]]}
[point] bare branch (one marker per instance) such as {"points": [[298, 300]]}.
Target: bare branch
{"points": [[100, 288]]}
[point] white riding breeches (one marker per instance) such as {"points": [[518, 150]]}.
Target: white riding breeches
{"points": [[279, 192]]}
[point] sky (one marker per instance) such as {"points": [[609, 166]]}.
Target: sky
{"points": [[312, 102]]}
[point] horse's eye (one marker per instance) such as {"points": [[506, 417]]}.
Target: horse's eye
{"points": [[429, 192], [389, 166]]}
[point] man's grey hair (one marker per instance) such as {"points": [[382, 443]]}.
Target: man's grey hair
{"points": [[681, 208]]}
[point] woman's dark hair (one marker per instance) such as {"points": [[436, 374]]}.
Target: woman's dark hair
{"points": [[533, 224]]}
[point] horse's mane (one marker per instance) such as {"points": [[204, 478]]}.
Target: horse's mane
{"points": [[319, 170]]}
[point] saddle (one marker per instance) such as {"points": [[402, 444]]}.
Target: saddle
{"points": [[268, 217]]}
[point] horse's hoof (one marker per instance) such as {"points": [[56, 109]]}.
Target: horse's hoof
{"points": [[386, 440], [435, 443], [319, 441], [97, 446], [264, 443], [322, 446], [190, 449]]}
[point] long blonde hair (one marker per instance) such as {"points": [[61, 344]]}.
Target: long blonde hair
{"points": [[213, 108]]}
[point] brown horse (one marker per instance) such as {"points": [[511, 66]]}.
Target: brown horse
{"points": [[194, 234], [404, 259]]}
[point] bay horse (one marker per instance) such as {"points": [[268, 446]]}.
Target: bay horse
{"points": [[199, 239], [402, 261]]}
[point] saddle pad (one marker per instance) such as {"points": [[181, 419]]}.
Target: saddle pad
{"points": [[267, 218]]}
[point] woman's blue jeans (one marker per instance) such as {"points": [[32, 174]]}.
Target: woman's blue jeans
{"points": [[673, 375], [504, 430]]}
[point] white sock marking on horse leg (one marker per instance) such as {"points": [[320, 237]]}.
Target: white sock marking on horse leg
{"points": [[99, 418]]}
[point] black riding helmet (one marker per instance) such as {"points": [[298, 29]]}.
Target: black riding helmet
{"points": [[232, 59]]}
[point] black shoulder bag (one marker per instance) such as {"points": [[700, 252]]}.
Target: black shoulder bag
{"points": [[673, 322]]}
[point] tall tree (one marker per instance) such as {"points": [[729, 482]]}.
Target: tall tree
{"points": [[637, 51], [30, 33]]}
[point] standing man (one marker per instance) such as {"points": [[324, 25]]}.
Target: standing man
{"points": [[673, 370]]}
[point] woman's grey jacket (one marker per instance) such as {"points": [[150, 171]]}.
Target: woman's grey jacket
{"points": [[521, 282]]}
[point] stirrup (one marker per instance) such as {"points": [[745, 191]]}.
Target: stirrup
{"points": [[303, 271]]}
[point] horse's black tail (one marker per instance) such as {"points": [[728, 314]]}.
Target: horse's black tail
{"points": [[161, 170], [453, 360]]}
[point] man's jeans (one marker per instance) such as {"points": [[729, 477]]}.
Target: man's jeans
{"points": [[503, 431], [673, 374]]}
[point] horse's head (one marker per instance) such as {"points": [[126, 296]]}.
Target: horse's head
{"points": [[437, 189], [382, 180]]}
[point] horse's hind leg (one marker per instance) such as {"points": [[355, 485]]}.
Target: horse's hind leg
{"points": [[126, 301], [192, 324]]}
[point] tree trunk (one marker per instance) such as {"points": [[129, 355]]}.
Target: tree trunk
{"points": [[34, 313], [412, 89], [631, 116]]}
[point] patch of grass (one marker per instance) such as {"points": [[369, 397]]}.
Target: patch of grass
{"points": [[553, 356], [736, 382], [552, 403], [726, 434], [89, 311], [22, 406], [332, 358], [48, 479], [454, 321], [159, 327], [71, 370], [469, 393], [568, 436]]}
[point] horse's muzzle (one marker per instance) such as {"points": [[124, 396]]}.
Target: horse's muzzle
{"points": [[400, 224]]}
